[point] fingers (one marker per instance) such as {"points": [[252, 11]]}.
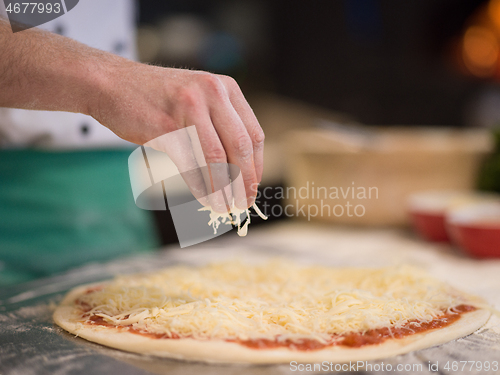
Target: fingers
{"points": [[177, 145], [250, 122], [221, 199], [228, 132], [237, 144], [209, 152]]}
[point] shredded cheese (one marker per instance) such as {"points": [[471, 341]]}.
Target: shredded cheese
{"points": [[233, 217], [277, 300]]}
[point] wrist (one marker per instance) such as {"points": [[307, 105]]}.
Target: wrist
{"points": [[103, 77]]}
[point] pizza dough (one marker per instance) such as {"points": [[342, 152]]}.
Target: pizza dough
{"points": [[207, 310]]}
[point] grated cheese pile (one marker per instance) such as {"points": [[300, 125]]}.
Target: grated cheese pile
{"points": [[276, 300], [233, 217]]}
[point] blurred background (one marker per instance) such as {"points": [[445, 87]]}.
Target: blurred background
{"points": [[348, 70]]}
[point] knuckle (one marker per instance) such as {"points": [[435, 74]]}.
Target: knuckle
{"points": [[230, 82], [213, 84], [188, 97], [258, 138], [215, 155], [243, 146]]}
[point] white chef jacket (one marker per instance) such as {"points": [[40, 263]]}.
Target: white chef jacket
{"points": [[108, 25]]}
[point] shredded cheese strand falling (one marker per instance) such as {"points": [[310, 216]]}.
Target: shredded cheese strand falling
{"points": [[233, 217], [276, 300]]}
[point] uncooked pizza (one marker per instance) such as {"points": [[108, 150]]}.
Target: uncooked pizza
{"points": [[273, 312]]}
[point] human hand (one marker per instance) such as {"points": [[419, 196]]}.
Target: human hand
{"points": [[140, 103]]}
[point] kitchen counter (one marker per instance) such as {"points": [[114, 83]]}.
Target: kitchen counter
{"points": [[31, 344]]}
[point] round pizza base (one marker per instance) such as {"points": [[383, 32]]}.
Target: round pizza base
{"points": [[220, 351]]}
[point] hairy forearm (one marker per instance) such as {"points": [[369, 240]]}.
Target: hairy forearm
{"points": [[44, 71]]}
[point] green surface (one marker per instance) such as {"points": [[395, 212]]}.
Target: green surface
{"points": [[59, 210]]}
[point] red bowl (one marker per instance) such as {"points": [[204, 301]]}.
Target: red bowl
{"points": [[431, 226], [476, 229], [428, 213]]}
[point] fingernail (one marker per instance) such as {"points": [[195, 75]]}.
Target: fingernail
{"points": [[241, 204], [250, 201]]}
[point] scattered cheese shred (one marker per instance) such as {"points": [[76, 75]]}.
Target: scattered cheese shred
{"points": [[233, 217], [276, 300]]}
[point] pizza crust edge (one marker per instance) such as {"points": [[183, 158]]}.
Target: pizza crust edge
{"points": [[220, 351]]}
